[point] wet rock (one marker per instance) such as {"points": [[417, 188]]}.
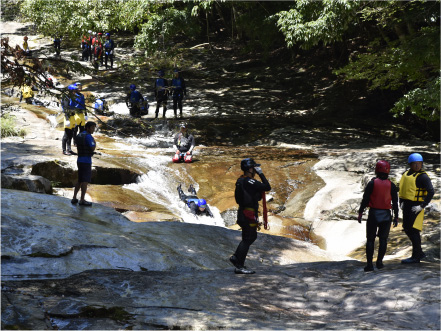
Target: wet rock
{"points": [[27, 183]]}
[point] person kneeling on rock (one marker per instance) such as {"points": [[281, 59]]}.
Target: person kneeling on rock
{"points": [[380, 195], [198, 207]]}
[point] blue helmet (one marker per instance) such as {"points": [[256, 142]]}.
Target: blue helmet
{"points": [[415, 157], [133, 87], [202, 203], [72, 87], [107, 34]]}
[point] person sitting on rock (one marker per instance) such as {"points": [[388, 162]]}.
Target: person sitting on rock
{"points": [[101, 106], [26, 50], [380, 195], [183, 144], [198, 207], [27, 93], [134, 101]]}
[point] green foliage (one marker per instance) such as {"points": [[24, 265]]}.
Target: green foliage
{"points": [[310, 22], [163, 26], [8, 127], [421, 102]]}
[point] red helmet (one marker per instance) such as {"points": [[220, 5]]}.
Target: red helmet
{"points": [[382, 166]]}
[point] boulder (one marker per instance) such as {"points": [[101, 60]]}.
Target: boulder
{"points": [[30, 183]]}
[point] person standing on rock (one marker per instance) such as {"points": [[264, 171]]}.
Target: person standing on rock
{"points": [[416, 192], [78, 103], [380, 195], [109, 46], [179, 91], [161, 93], [248, 193], [69, 121], [27, 51], [86, 147]]}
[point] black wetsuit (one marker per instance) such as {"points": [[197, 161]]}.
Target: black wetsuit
{"points": [[194, 209], [409, 217], [184, 141], [380, 219], [248, 193]]}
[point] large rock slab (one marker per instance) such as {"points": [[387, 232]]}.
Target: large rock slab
{"points": [[310, 296], [44, 235]]}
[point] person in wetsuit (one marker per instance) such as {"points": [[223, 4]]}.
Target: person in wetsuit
{"points": [[179, 91], [380, 195], [134, 101], [183, 141], [161, 93], [248, 193], [416, 192], [198, 207]]}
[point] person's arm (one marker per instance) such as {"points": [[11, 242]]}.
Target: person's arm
{"points": [[175, 143], [394, 195], [192, 144], [91, 142], [366, 196], [424, 181], [208, 211]]}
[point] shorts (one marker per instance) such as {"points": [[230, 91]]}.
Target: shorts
{"points": [[84, 172]]}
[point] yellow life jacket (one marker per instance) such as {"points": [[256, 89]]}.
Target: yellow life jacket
{"points": [[408, 188], [27, 92], [25, 45]]}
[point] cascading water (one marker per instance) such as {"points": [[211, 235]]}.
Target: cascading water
{"points": [[160, 183]]}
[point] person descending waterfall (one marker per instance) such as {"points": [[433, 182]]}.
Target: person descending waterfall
{"points": [[198, 207], [86, 148], [161, 93], [416, 192], [248, 193], [380, 195], [179, 91], [183, 144], [136, 103]]}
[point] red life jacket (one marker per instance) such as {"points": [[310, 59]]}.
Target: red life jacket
{"points": [[381, 197]]}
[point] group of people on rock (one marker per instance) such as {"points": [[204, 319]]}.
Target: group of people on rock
{"points": [[382, 196], [97, 50], [138, 106]]}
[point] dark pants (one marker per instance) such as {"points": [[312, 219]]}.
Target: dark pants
{"points": [[76, 130], [108, 56], [249, 235], [377, 228], [66, 142], [177, 102], [161, 101], [413, 234], [57, 46]]}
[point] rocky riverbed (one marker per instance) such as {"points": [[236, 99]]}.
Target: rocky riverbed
{"points": [[134, 261]]}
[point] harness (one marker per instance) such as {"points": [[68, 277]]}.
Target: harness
{"points": [[182, 140], [408, 188]]}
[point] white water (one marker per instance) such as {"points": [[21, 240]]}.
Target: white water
{"points": [[160, 183]]}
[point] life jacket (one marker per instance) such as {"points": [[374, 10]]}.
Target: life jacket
{"points": [[408, 188], [99, 105], [381, 197], [83, 148], [135, 96], [183, 141], [160, 84], [243, 198], [98, 51], [27, 92], [177, 83], [25, 45], [84, 42], [190, 200], [108, 45]]}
